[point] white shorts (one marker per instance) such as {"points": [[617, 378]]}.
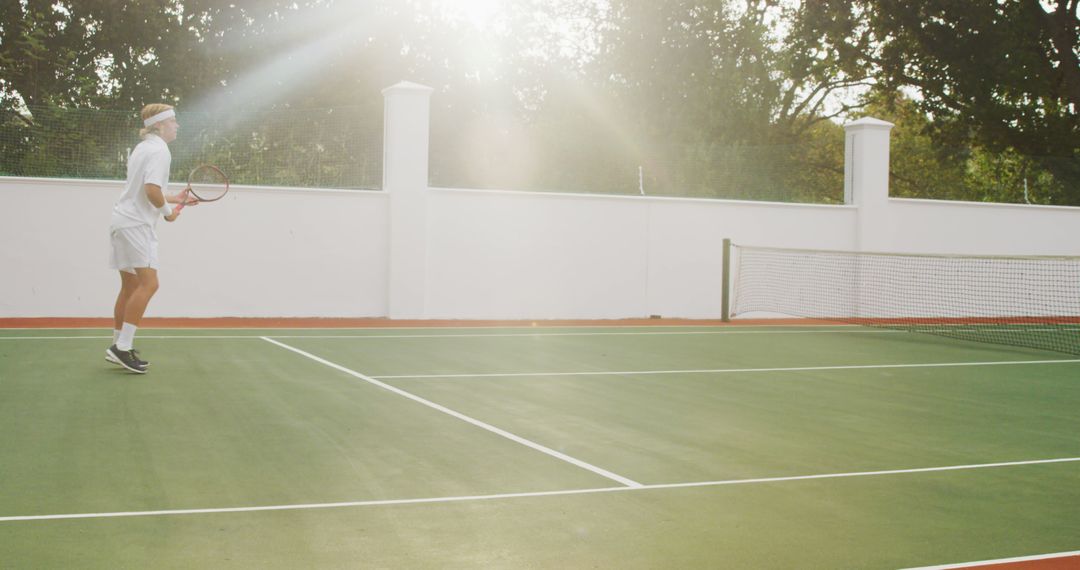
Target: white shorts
{"points": [[132, 248]]}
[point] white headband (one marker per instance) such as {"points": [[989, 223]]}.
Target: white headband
{"points": [[159, 117]]}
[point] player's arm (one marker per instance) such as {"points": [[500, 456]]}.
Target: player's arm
{"points": [[157, 198]]}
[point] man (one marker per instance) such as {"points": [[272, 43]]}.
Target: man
{"points": [[134, 242]]}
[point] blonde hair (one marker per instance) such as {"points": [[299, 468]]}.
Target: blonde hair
{"points": [[149, 111]]}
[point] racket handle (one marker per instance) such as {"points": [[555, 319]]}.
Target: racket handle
{"points": [[183, 200]]}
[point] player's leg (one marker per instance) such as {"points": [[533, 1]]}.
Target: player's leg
{"points": [[136, 304], [134, 249], [129, 283], [124, 351]]}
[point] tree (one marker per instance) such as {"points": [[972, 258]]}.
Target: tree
{"points": [[1001, 75], [709, 97], [61, 57]]}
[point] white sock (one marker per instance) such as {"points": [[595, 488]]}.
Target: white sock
{"points": [[115, 335], [127, 336]]}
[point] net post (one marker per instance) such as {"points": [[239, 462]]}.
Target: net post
{"points": [[725, 288]]}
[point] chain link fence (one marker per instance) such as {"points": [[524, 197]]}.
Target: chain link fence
{"points": [[317, 148]]}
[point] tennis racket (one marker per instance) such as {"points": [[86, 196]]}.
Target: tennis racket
{"points": [[206, 183]]}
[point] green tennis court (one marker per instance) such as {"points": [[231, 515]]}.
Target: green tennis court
{"points": [[576, 447]]}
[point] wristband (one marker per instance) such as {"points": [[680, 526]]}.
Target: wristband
{"points": [[166, 210]]}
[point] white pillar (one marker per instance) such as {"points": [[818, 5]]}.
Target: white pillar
{"points": [[406, 118], [866, 177]]}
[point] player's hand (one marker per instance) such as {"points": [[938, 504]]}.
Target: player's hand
{"points": [[187, 200], [172, 217], [183, 198]]}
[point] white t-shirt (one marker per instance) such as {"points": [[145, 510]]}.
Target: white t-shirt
{"points": [[148, 164]]}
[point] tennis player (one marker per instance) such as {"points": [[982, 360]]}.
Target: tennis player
{"points": [[134, 242]]}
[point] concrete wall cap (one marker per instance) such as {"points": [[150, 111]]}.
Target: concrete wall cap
{"points": [[869, 122], [407, 86]]}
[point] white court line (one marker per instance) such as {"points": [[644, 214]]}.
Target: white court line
{"points": [[386, 502], [140, 337], [725, 370], [633, 333], [1000, 561], [463, 417]]}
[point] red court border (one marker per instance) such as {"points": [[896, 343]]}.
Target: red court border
{"points": [[300, 323], [382, 322]]}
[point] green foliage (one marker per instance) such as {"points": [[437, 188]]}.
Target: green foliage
{"points": [[702, 96], [922, 168], [709, 98], [338, 148], [80, 71], [323, 148], [65, 143], [1000, 79]]}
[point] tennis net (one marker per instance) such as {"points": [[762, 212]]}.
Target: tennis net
{"points": [[1026, 301]]}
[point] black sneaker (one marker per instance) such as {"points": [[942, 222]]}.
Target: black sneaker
{"points": [[110, 358], [135, 353], [126, 359]]}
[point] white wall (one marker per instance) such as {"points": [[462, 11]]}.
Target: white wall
{"points": [[687, 236], [499, 254], [937, 226], [258, 252], [518, 255], [272, 252], [418, 252]]}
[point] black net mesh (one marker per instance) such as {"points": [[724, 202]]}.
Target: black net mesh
{"points": [[1031, 302]]}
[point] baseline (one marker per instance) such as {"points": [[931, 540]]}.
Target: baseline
{"points": [[386, 502], [1006, 563]]}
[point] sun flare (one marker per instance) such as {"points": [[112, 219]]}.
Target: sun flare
{"points": [[481, 14]]}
